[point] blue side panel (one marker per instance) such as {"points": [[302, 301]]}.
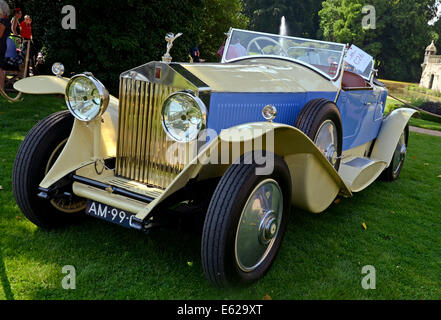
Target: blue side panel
{"points": [[231, 109], [361, 111], [316, 95], [362, 115]]}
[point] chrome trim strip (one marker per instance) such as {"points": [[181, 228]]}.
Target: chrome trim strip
{"points": [[115, 190]]}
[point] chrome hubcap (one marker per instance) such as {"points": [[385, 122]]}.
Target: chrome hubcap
{"points": [[259, 225], [399, 154], [326, 140], [267, 228]]}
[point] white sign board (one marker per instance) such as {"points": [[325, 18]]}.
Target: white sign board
{"points": [[358, 58]]}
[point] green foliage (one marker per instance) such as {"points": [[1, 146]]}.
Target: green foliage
{"points": [[219, 16], [436, 35], [113, 36], [425, 124], [400, 37], [301, 16]]}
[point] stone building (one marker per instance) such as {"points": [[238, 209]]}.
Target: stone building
{"points": [[431, 77]]}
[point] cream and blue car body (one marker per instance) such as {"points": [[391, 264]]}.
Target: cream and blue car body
{"points": [[283, 73]]}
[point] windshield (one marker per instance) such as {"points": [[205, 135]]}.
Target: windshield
{"points": [[325, 57]]}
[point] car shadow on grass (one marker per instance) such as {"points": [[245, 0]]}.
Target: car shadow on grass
{"points": [[4, 280]]}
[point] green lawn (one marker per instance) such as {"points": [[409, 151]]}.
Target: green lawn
{"points": [[416, 120], [425, 124], [320, 258]]}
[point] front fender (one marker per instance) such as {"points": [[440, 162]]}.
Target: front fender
{"points": [[42, 85], [391, 130], [87, 143], [315, 181]]}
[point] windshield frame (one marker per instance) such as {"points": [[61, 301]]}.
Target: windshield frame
{"points": [[321, 72]]}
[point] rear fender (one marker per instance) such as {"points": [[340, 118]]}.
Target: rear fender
{"points": [[390, 132]]}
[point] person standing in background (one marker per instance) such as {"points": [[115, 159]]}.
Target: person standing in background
{"points": [[5, 31], [196, 55], [26, 28], [15, 23], [235, 49]]}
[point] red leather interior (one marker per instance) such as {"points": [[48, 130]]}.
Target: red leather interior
{"points": [[353, 80]]}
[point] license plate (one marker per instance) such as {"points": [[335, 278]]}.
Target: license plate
{"points": [[108, 213]]}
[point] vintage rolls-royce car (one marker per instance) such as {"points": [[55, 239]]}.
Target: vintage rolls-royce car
{"points": [[280, 122]]}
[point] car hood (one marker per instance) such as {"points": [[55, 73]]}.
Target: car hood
{"points": [[260, 75], [250, 75]]}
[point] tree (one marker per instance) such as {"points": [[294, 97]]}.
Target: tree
{"points": [[436, 34], [219, 16], [113, 36], [400, 37]]}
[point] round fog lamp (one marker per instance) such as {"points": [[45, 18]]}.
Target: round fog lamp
{"points": [[58, 69], [269, 112]]}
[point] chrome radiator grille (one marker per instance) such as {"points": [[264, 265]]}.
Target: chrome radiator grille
{"points": [[142, 143]]}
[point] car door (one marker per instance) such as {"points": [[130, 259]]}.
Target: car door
{"points": [[360, 115]]}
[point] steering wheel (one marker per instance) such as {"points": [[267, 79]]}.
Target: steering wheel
{"points": [[256, 40]]}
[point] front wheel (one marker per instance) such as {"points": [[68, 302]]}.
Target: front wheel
{"points": [[35, 157], [245, 223]]}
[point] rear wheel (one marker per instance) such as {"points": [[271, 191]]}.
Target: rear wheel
{"points": [[36, 155], [245, 223], [392, 173], [320, 120]]}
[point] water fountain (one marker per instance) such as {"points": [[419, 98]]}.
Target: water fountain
{"points": [[283, 31], [283, 27]]}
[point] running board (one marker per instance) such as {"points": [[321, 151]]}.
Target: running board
{"points": [[358, 173]]}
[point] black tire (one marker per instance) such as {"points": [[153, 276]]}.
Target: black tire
{"points": [[313, 115], [31, 164], [391, 174], [221, 223]]}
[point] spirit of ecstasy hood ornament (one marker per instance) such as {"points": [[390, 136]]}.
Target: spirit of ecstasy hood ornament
{"points": [[170, 37]]}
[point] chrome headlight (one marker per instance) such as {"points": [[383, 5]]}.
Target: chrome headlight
{"points": [[86, 97], [183, 116]]}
